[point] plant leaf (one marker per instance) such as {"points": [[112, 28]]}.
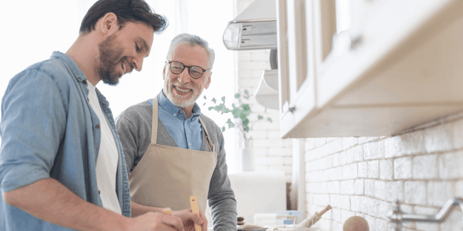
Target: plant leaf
{"points": [[259, 117], [237, 95], [270, 120]]}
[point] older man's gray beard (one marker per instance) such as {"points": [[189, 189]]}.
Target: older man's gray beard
{"points": [[178, 101]]}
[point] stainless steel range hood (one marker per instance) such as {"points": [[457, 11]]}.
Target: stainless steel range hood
{"points": [[253, 28]]}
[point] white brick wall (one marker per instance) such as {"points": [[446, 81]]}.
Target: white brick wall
{"points": [[271, 152], [364, 176]]}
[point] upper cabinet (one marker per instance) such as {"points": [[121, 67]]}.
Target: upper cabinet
{"points": [[367, 67]]}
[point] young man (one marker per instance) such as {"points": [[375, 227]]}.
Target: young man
{"points": [[174, 151], [61, 162]]}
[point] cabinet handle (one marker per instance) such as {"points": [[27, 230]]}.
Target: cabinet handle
{"points": [[292, 109]]}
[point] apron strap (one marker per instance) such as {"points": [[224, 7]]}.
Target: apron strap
{"points": [[211, 146], [154, 126]]}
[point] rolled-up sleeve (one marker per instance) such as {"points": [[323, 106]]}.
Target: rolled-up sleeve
{"points": [[32, 125], [221, 196]]}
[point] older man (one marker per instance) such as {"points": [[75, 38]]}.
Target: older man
{"points": [[174, 151], [61, 162]]}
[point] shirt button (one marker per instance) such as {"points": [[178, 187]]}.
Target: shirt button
{"points": [[99, 192], [175, 114], [97, 126]]}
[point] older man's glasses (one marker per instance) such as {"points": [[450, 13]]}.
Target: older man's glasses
{"points": [[195, 71]]}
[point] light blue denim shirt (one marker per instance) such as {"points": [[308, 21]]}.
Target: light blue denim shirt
{"points": [[49, 130], [186, 132]]}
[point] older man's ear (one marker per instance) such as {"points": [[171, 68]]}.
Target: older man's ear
{"points": [[208, 81]]}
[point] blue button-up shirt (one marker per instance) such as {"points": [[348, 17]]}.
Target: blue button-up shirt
{"points": [[186, 132], [49, 130]]}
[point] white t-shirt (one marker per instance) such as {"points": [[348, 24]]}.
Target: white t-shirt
{"points": [[108, 157]]}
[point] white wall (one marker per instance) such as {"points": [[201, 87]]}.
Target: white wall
{"points": [[364, 176]]}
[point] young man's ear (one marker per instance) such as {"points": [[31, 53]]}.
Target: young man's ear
{"points": [[109, 24], [208, 81]]}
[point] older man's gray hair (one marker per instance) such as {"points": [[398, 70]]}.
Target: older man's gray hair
{"points": [[191, 40]]}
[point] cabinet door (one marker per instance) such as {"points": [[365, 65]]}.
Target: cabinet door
{"points": [[296, 69]]}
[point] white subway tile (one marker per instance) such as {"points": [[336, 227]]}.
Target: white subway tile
{"points": [[327, 162], [348, 142], [287, 161], [338, 173], [363, 204], [346, 215], [385, 169], [336, 214], [395, 191], [373, 169], [370, 150], [403, 168], [451, 165], [336, 159], [280, 152], [344, 202], [359, 185], [439, 192], [371, 222], [415, 192], [319, 141], [373, 207], [425, 167], [366, 139], [354, 203], [458, 134], [384, 209], [348, 187], [380, 190], [453, 221], [363, 169], [343, 158], [370, 187], [309, 144], [381, 225], [350, 155], [459, 189], [334, 201], [439, 138]]}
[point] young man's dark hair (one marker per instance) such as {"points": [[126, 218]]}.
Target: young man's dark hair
{"points": [[125, 10]]}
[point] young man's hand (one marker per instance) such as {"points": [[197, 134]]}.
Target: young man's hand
{"points": [[155, 222]]}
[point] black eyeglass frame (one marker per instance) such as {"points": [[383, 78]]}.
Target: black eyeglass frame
{"points": [[189, 69]]}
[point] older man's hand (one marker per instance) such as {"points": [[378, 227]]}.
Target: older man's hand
{"points": [[190, 219]]}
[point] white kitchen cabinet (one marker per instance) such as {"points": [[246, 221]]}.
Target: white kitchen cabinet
{"points": [[400, 65]]}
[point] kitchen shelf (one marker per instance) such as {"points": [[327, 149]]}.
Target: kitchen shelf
{"points": [[404, 70]]}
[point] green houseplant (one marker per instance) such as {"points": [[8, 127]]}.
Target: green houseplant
{"points": [[240, 118], [240, 113]]}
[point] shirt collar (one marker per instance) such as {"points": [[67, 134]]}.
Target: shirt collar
{"points": [[165, 103], [78, 74], [74, 69]]}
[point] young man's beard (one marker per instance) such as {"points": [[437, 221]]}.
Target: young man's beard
{"points": [[110, 57]]}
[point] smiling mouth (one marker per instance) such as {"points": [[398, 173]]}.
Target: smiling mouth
{"points": [[124, 68], [182, 90]]}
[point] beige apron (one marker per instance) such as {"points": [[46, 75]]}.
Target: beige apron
{"points": [[167, 176]]}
